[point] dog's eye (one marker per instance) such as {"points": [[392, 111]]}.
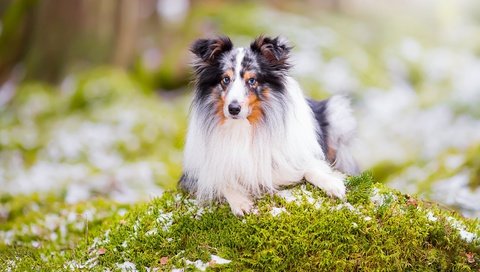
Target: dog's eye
{"points": [[251, 81], [226, 80]]}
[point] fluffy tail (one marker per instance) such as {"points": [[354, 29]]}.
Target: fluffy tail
{"points": [[340, 134]]}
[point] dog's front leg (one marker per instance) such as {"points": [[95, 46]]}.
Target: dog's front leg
{"points": [[320, 174], [239, 201]]}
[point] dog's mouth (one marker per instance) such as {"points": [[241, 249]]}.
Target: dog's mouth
{"points": [[235, 117]]}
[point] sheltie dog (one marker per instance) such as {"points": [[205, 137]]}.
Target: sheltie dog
{"points": [[252, 131]]}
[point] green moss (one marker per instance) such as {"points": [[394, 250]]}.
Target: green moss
{"points": [[299, 229], [38, 228], [360, 188]]}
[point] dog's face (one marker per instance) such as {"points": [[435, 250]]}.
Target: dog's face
{"points": [[235, 81]]}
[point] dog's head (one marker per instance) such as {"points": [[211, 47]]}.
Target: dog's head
{"points": [[237, 80]]}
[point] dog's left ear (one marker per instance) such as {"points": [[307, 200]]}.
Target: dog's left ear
{"points": [[274, 50]]}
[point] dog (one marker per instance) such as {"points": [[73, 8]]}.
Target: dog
{"points": [[252, 131]]}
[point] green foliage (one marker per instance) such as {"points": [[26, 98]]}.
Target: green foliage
{"points": [[473, 162], [42, 123]]}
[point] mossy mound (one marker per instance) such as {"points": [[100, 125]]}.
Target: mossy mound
{"points": [[295, 230]]}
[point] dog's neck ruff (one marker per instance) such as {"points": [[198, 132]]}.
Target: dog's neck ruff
{"points": [[239, 157]]}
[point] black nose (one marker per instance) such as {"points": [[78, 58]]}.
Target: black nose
{"points": [[234, 108]]}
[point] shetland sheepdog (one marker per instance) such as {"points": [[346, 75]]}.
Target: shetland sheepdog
{"points": [[251, 129]]}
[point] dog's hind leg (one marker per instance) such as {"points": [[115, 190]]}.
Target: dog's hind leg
{"points": [[340, 134], [320, 174], [336, 133]]}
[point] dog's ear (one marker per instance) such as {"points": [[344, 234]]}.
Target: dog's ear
{"points": [[208, 50], [274, 50]]}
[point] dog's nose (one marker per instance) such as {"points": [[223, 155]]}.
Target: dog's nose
{"points": [[234, 108]]}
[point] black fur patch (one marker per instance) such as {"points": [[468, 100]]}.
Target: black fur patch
{"points": [[273, 51], [187, 184], [319, 110], [209, 50], [206, 66], [272, 56]]}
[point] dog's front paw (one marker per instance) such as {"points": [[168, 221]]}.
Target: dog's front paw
{"points": [[334, 186], [331, 182], [240, 205]]}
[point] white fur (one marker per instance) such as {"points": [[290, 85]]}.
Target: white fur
{"points": [[237, 161]]}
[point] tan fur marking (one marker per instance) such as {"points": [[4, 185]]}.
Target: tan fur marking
{"points": [[228, 73], [331, 155], [256, 112], [248, 75], [220, 105]]}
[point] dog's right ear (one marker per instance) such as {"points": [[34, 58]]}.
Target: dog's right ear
{"points": [[208, 50], [274, 50]]}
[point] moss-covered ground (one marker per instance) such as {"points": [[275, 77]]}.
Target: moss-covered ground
{"points": [[297, 229]]}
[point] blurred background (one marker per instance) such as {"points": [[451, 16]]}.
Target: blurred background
{"points": [[94, 94]]}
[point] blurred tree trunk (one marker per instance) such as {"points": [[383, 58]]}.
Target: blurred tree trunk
{"points": [[56, 28], [54, 38], [126, 23], [15, 33]]}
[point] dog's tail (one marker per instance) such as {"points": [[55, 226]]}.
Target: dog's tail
{"points": [[341, 130]]}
